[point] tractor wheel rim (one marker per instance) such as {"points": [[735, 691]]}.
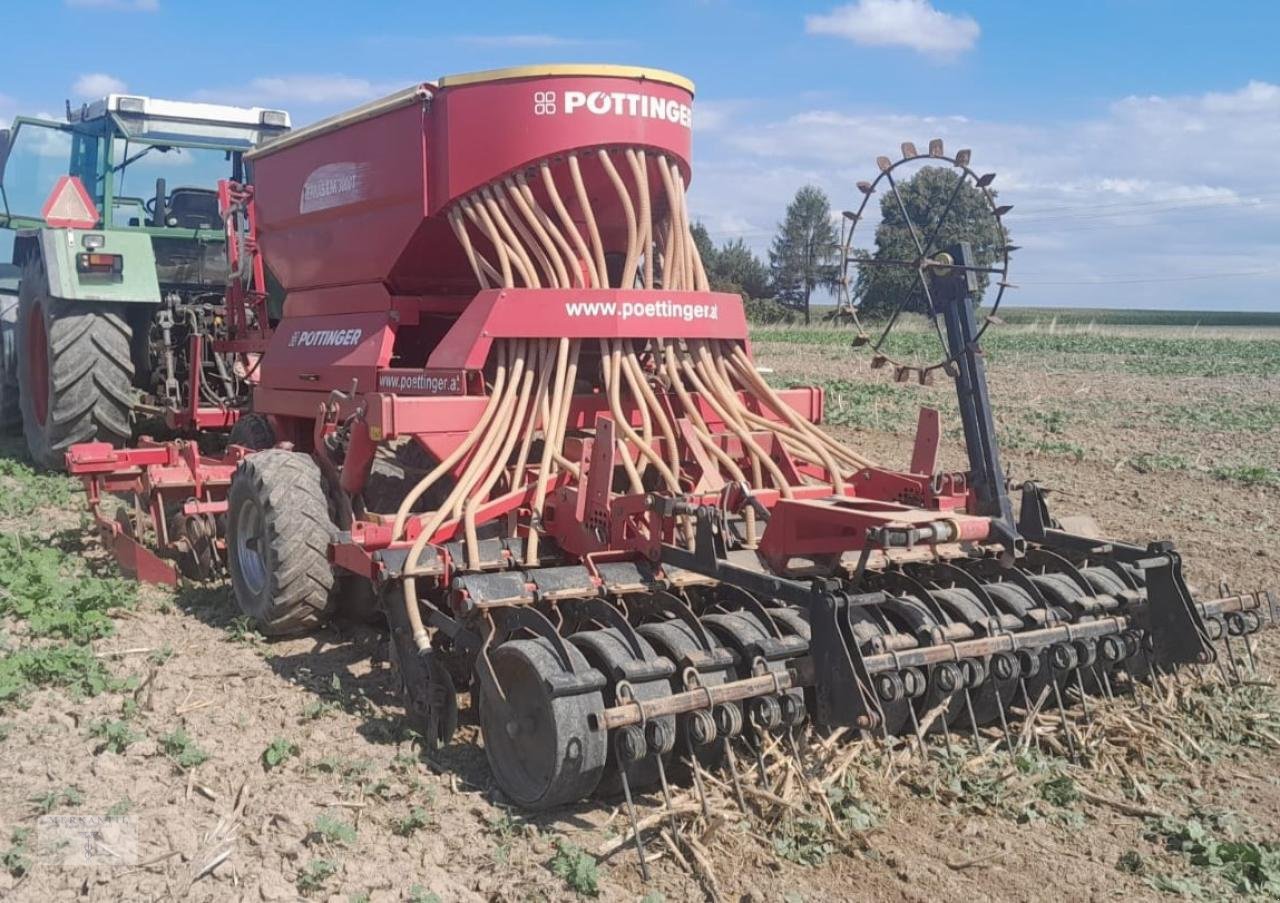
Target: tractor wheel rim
{"points": [[38, 362], [250, 536]]}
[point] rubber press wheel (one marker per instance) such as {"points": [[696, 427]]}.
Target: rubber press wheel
{"points": [[541, 749], [278, 534], [75, 370]]}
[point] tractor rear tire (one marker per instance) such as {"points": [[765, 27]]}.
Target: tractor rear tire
{"points": [[75, 371], [10, 412], [278, 535]]}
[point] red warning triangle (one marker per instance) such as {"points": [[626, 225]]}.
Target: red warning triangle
{"points": [[69, 206]]}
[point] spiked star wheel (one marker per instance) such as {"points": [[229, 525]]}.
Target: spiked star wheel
{"points": [[927, 259]]}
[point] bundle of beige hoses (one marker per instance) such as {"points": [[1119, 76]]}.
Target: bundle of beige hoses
{"points": [[512, 238]]}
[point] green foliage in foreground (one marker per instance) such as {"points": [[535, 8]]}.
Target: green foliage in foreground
{"points": [[1210, 844], [182, 749], [313, 875], [23, 489], [577, 868], [49, 590], [73, 668]]}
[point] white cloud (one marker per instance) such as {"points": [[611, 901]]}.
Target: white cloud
{"points": [[519, 40], [898, 23], [1158, 186], [97, 84], [281, 90], [132, 6]]}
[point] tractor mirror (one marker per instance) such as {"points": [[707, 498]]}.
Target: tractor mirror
{"points": [[4, 148]]}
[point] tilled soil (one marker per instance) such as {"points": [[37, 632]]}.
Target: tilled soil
{"points": [[436, 826]]}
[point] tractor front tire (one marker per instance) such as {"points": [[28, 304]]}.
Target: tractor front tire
{"points": [[75, 371], [10, 411], [278, 535]]}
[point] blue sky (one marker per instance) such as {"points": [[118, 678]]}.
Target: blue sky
{"points": [[1139, 141]]}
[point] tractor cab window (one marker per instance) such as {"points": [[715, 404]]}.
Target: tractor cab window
{"points": [[39, 154], [165, 186]]}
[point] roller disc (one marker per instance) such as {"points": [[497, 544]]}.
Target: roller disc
{"points": [[540, 747], [1012, 598], [742, 632], [792, 621], [910, 615], [993, 693], [896, 712], [676, 640], [609, 652]]}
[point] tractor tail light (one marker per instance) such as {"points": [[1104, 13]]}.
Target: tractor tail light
{"points": [[111, 264]]}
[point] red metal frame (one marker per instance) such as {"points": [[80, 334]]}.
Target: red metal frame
{"points": [[247, 324], [385, 333]]}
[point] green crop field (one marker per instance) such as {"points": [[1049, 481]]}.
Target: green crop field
{"points": [[1083, 316]]}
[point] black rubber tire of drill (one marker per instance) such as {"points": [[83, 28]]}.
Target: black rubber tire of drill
{"points": [[252, 431], [90, 378], [564, 761], [298, 594]]}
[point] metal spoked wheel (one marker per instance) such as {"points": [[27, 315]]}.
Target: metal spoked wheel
{"points": [[541, 747], [250, 536], [928, 233]]}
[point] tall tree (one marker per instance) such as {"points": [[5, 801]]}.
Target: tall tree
{"points": [[738, 269], [880, 289], [803, 254], [706, 249], [733, 267]]}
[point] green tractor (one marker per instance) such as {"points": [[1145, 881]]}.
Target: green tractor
{"points": [[119, 258]]}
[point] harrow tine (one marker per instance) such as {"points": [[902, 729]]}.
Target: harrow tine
{"points": [[1248, 648], [795, 751], [1084, 702], [758, 750], [1152, 669], [946, 732], [1004, 723], [697, 776], [666, 795], [973, 721], [623, 767], [1103, 681], [1066, 726], [915, 725], [731, 761], [1231, 655], [1031, 712]]}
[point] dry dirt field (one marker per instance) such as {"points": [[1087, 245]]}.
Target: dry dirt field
{"points": [[242, 769]]}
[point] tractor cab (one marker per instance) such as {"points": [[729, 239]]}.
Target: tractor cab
{"points": [[120, 263], [136, 164]]}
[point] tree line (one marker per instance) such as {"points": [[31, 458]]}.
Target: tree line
{"points": [[805, 255]]}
